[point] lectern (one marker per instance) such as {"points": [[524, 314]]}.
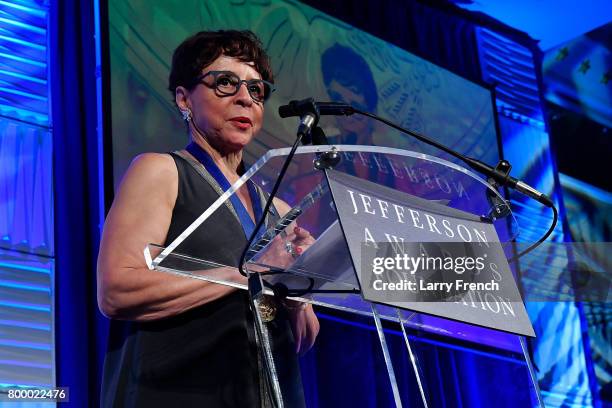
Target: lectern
{"points": [[377, 215]]}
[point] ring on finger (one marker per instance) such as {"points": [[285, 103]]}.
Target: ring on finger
{"points": [[290, 249]]}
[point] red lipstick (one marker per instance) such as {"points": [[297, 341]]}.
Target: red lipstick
{"points": [[241, 122]]}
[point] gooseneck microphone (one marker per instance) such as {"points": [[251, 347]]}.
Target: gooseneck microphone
{"points": [[309, 111]]}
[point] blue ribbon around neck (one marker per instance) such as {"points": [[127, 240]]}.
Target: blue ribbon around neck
{"points": [[245, 219]]}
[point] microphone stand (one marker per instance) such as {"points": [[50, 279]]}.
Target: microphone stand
{"points": [[308, 120]]}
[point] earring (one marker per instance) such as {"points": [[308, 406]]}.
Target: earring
{"points": [[186, 114]]}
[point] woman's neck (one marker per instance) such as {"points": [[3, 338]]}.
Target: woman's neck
{"points": [[228, 162]]}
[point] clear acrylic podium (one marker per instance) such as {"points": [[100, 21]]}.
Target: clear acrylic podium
{"points": [[324, 274]]}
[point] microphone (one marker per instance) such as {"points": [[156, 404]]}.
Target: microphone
{"points": [[305, 106], [504, 179]]}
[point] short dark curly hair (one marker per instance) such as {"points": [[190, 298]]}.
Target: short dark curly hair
{"points": [[202, 49]]}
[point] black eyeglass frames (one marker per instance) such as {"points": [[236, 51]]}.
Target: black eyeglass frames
{"points": [[228, 83]]}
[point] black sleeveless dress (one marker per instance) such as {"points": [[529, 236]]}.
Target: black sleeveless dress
{"points": [[207, 356]]}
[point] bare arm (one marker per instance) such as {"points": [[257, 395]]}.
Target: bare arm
{"points": [[141, 214]]}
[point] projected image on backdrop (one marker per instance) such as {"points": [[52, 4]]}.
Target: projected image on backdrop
{"points": [[312, 54]]}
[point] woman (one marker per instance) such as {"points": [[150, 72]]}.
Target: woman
{"points": [[182, 341]]}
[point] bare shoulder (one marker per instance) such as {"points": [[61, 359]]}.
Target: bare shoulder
{"points": [[154, 171], [153, 164], [149, 188]]}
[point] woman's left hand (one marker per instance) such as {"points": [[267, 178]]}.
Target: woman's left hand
{"points": [[304, 324]]}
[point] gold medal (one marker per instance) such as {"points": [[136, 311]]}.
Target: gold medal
{"points": [[267, 309]]}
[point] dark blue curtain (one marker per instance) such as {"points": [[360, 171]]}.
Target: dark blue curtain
{"points": [[79, 328], [437, 34]]}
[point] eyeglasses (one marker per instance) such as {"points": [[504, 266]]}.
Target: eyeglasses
{"points": [[228, 83]]}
